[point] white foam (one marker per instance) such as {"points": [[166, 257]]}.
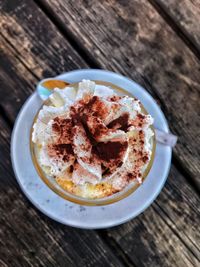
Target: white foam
{"points": [[103, 91], [88, 170], [86, 87]]}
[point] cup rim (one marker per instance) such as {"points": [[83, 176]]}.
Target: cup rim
{"points": [[125, 192]]}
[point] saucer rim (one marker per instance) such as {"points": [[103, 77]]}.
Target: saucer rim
{"points": [[78, 225]]}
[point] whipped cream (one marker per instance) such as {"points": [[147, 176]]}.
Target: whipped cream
{"points": [[90, 135]]}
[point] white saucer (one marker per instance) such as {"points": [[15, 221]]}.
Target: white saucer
{"points": [[72, 214]]}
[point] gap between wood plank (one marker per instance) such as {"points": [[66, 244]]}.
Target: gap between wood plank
{"points": [[114, 246], [175, 159], [175, 233], [10, 44], [185, 173], [178, 29], [5, 117], [72, 39], [2, 110]]}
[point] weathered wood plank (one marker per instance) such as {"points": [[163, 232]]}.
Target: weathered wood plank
{"points": [[186, 14], [132, 38], [173, 227], [34, 253], [165, 235], [156, 239], [34, 44], [27, 238]]}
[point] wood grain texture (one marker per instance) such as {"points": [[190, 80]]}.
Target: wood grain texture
{"points": [[186, 14], [130, 37], [165, 235], [29, 41], [27, 238], [178, 229], [170, 238]]}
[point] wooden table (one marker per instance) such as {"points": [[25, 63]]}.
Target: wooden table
{"points": [[157, 44]]}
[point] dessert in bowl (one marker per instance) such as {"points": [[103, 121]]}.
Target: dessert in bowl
{"points": [[92, 143]]}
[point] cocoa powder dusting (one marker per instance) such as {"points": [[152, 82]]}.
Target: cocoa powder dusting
{"points": [[110, 150], [115, 98], [71, 168], [97, 107], [145, 159], [63, 151], [92, 101], [130, 175], [89, 114], [140, 116], [96, 127], [89, 135], [120, 123], [139, 120], [62, 127]]}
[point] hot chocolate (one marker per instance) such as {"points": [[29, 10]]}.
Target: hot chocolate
{"points": [[92, 141]]}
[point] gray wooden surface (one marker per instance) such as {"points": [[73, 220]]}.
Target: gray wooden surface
{"points": [[144, 41]]}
